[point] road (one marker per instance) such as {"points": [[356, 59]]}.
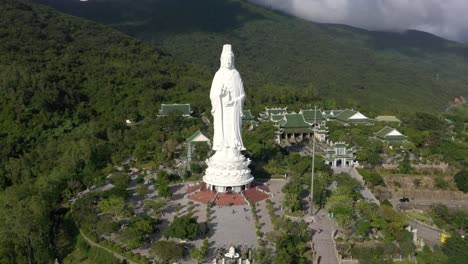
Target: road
{"points": [[430, 235]]}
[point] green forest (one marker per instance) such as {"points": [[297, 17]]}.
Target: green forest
{"points": [[68, 84], [366, 70]]}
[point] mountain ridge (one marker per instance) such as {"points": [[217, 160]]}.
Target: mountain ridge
{"points": [[377, 71]]}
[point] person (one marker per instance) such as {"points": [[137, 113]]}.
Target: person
{"points": [[227, 100]]}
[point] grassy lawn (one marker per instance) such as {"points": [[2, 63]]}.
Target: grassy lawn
{"points": [[419, 216]]}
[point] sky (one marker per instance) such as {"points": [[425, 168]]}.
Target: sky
{"points": [[445, 18]]}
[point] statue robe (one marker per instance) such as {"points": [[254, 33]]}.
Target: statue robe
{"points": [[227, 86]]}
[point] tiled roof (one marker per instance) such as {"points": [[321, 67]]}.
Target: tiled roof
{"points": [[389, 133], [348, 115], [387, 119], [309, 115], [294, 121], [197, 137], [166, 109], [269, 112], [247, 115], [277, 118], [276, 111], [332, 113]]}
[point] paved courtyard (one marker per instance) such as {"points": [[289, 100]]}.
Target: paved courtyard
{"points": [[226, 228], [232, 225], [238, 228]]}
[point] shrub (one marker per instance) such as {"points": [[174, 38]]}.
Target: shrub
{"points": [[417, 182], [196, 167], [372, 178], [461, 179], [440, 183], [167, 250], [183, 227]]}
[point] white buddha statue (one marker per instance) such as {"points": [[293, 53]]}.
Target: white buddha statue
{"points": [[227, 100], [228, 170]]}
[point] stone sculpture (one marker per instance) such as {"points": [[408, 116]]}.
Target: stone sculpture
{"points": [[227, 100], [227, 169], [232, 253]]}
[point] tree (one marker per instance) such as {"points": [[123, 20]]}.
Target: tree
{"points": [[202, 253], [120, 181], [167, 250], [164, 190], [113, 205], [196, 167], [184, 227], [137, 231], [372, 178], [371, 255], [292, 195], [162, 184], [263, 255], [405, 165], [427, 256], [141, 189], [461, 179], [155, 205], [456, 248], [105, 225]]}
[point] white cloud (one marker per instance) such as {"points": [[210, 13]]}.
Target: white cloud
{"points": [[445, 18]]}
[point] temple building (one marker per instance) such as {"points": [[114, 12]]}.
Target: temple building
{"points": [[387, 119], [390, 135], [339, 155], [183, 109], [196, 139], [347, 116], [293, 128], [248, 119], [321, 132], [311, 114], [274, 114]]}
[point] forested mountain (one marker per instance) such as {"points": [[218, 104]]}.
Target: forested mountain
{"points": [[378, 71], [66, 87]]}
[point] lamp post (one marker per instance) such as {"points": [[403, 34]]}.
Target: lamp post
{"points": [[313, 165], [461, 228]]}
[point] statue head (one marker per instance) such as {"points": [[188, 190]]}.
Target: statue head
{"points": [[227, 57]]}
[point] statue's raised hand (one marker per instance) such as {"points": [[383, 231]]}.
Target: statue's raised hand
{"points": [[229, 103]]}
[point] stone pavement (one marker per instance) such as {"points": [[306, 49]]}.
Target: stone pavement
{"points": [[232, 225], [323, 242], [430, 235], [227, 228], [275, 186]]}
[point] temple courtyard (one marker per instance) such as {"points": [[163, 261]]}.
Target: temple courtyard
{"points": [[232, 221]]}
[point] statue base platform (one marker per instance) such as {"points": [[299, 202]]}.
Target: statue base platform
{"points": [[228, 171]]}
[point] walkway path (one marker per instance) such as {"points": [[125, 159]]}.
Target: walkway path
{"points": [[94, 244], [430, 235], [323, 241], [366, 193], [275, 186]]}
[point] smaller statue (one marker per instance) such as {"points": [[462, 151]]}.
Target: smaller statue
{"points": [[232, 253]]}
